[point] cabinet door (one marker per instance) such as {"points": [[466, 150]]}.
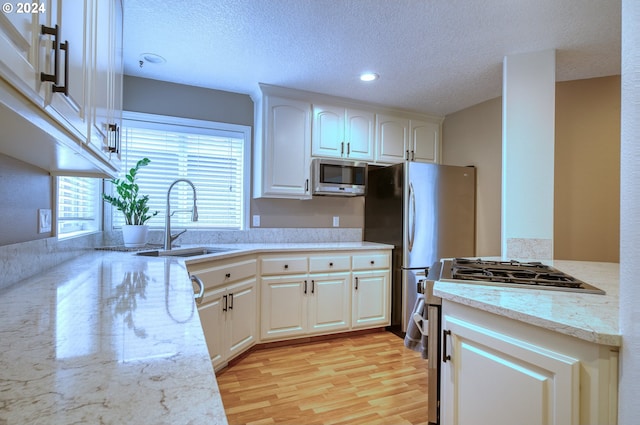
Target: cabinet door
{"points": [[73, 17], [241, 317], [329, 302], [106, 81], [371, 301], [286, 161], [22, 49], [528, 384], [283, 308], [328, 139], [213, 319], [425, 138], [391, 138], [359, 134]]}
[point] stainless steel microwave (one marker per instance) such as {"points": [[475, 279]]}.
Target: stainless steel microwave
{"points": [[334, 177]]}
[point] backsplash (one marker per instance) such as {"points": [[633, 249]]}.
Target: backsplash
{"points": [[22, 260], [256, 235]]}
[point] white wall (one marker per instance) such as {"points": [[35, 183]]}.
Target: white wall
{"points": [[629, 389]]}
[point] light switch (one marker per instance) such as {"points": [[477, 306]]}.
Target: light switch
{"points": [[336, 221], [44, 220], [256, 221]]}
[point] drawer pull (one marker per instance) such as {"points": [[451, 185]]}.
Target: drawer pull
{"points": [[286, 266], [372, 262], [330, 264], [228, 275]]}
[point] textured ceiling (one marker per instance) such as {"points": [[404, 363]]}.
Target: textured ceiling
{"points": [[433, 56]]}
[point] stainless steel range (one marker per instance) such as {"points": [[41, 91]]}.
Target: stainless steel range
{"points": [[526, 275]]}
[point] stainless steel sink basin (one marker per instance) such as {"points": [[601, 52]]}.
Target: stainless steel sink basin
{"points": [[184, 252]]}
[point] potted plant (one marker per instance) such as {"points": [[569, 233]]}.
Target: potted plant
{"points": [[134, 207]]}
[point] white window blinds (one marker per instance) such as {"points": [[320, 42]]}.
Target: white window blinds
{"points": [[212, 156], [78, 205]]}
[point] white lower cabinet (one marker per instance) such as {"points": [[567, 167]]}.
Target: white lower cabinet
{"points": [[274, 297], [283, 306], [498, 371], [371, 294], [329, 302], [328, 298], [228, 311], [303, 304], [370, 299], [229, 321]]}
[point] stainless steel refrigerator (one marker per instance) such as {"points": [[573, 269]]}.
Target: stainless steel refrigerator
{"points": [[427, 212]]}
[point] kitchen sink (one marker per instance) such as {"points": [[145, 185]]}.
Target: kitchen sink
{"points": [[184, 252]]}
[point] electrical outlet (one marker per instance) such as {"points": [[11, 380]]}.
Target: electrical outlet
{"points": [[256, 221], [336, 221], [44, 220]]}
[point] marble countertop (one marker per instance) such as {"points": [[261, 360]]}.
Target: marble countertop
{"points": [[113, 338], [590, 317]]}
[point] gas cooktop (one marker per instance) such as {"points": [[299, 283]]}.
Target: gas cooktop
{"points": [[513, 273]]}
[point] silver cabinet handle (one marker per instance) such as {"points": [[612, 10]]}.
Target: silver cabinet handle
{"points": [[198, 281]]}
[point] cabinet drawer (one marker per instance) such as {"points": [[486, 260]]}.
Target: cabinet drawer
{"points": [[369, 261], [283, 265], [329, 263], [227, 273]]}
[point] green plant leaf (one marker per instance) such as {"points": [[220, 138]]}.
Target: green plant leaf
{"points": [[133, 207]]}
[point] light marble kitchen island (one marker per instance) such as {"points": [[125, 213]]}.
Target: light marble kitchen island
{"points": [[551, 356], [590, 317]]}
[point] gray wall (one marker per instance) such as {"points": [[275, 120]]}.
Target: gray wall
{"points": [[23, 190], [158, 97]]}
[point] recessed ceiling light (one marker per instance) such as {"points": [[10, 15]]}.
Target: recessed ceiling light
{"points": [[369, 76], [152, 58]]}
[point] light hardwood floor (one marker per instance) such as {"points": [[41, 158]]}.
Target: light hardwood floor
{"points": [[364, 379]]}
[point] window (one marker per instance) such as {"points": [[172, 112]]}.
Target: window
{"points": [[214, 156], [78, 206]]}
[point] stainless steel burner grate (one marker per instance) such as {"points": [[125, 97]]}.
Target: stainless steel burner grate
{"points": [[514, 273]]}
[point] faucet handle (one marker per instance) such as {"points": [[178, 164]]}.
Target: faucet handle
{"points": [[177, 235]]}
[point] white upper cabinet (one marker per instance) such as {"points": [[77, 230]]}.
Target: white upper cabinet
{"points": [[282, 155], [424, 141], [106, 82], [340, 132], [22, 49], [403, 139], [66, 59], [68, 99], [392, 138]]}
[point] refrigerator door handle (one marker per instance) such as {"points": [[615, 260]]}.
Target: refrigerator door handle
{"points": [[412, 218]]}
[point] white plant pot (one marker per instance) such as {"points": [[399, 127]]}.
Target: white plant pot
{"points": [[135, 236]]}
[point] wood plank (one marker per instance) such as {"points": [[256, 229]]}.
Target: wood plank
{"points": [[356, 379]]}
